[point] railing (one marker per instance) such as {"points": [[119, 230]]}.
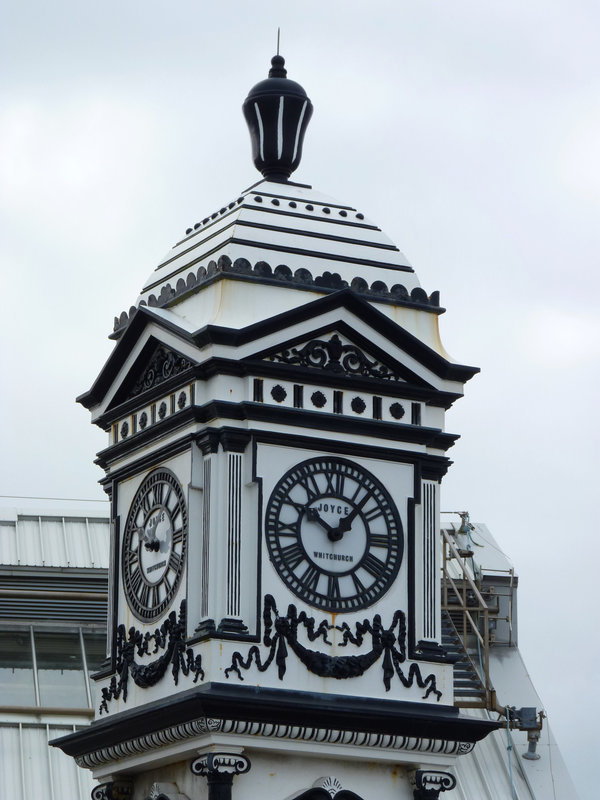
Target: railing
{"points": [[474, 611]]}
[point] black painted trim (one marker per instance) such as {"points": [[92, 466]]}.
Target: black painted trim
{"points": [[304, 418], [317, 235], [279, 248], [411, 556], [350, 301], [280, 706], [352, 383], [362, 343], [148, 435], [145, 462], [435, 465], [285, 212], [122, 404], [354, 223], [263, 412], [345, 298], [299, 251], [298, 200]]}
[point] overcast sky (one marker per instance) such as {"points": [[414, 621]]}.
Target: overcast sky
{"points": [[469, 131]]}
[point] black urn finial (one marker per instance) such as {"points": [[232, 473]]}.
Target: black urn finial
{"points": [[277, 111]]}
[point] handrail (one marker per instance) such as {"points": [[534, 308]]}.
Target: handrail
{"points": [[449, 551]]}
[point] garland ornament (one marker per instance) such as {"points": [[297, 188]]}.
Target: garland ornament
{"points": [[170, 637], [281, 632]]}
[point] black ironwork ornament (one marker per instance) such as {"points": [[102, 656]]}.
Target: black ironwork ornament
{"points": [[428, 784], [277, 111], [281, 633], [170, 638]]}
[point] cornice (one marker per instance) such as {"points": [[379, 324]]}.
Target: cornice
{"points": [[276, 707], [206, 726]]}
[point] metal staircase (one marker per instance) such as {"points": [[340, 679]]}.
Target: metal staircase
{"points": [[469, 690], [465, 630]]}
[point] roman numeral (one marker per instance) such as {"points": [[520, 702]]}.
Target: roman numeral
{"points": [[136, 579], [373, 513], [147, 502], [287, 501], [177, 536], [144, 595], [157, 493], [333, 588], [310, 578], [335, 483], [132, 557], [373, 565], [379, 540], [167, 498], [174, 562], [293, 555], [358, 584], [365, 498], [284, 529], [155, 596], [310, 486]]}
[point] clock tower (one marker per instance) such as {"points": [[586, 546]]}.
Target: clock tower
{"points": [[274, 407]]}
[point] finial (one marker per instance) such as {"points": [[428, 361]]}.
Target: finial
{"points": [[278, 32], [277, 67], [277, 111]]}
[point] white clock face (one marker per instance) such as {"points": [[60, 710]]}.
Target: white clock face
{"points": [[154, 545], [334, 534]]}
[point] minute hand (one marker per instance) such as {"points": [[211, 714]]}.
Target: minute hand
{"points": [[345, 523]]}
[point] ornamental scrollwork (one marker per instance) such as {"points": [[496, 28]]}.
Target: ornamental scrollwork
{"points": [[281, 633], [224, 764], [335, 356], [170, 637], [113, 790], [428, 783], [165, 363]]}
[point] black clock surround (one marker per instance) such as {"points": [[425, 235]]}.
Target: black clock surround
{"points": [[154, 545], [334, 534]]}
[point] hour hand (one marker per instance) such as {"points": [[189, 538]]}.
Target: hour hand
{"points": [[314, 516]]}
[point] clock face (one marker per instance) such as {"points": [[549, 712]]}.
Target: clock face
{"points": [[334, 534], [154, 545]]}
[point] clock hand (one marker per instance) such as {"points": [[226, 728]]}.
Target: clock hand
{"points": [[314, 516], [345, 523]]}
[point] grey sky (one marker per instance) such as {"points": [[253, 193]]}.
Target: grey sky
{"points": [[468, 131]]}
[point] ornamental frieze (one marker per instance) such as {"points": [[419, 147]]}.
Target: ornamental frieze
{"points": [[281, 635], [335, 356]]}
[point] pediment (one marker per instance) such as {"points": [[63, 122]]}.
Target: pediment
{"points": [[157, 364], [380, 338], [155, 349], [341, 351]]}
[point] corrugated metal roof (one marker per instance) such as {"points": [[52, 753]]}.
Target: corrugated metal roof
{"points": [[54, 538], [484, 774], [29, 768]]}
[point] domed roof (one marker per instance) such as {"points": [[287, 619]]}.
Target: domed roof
{"points": [[280, 234], [292, 225]]}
